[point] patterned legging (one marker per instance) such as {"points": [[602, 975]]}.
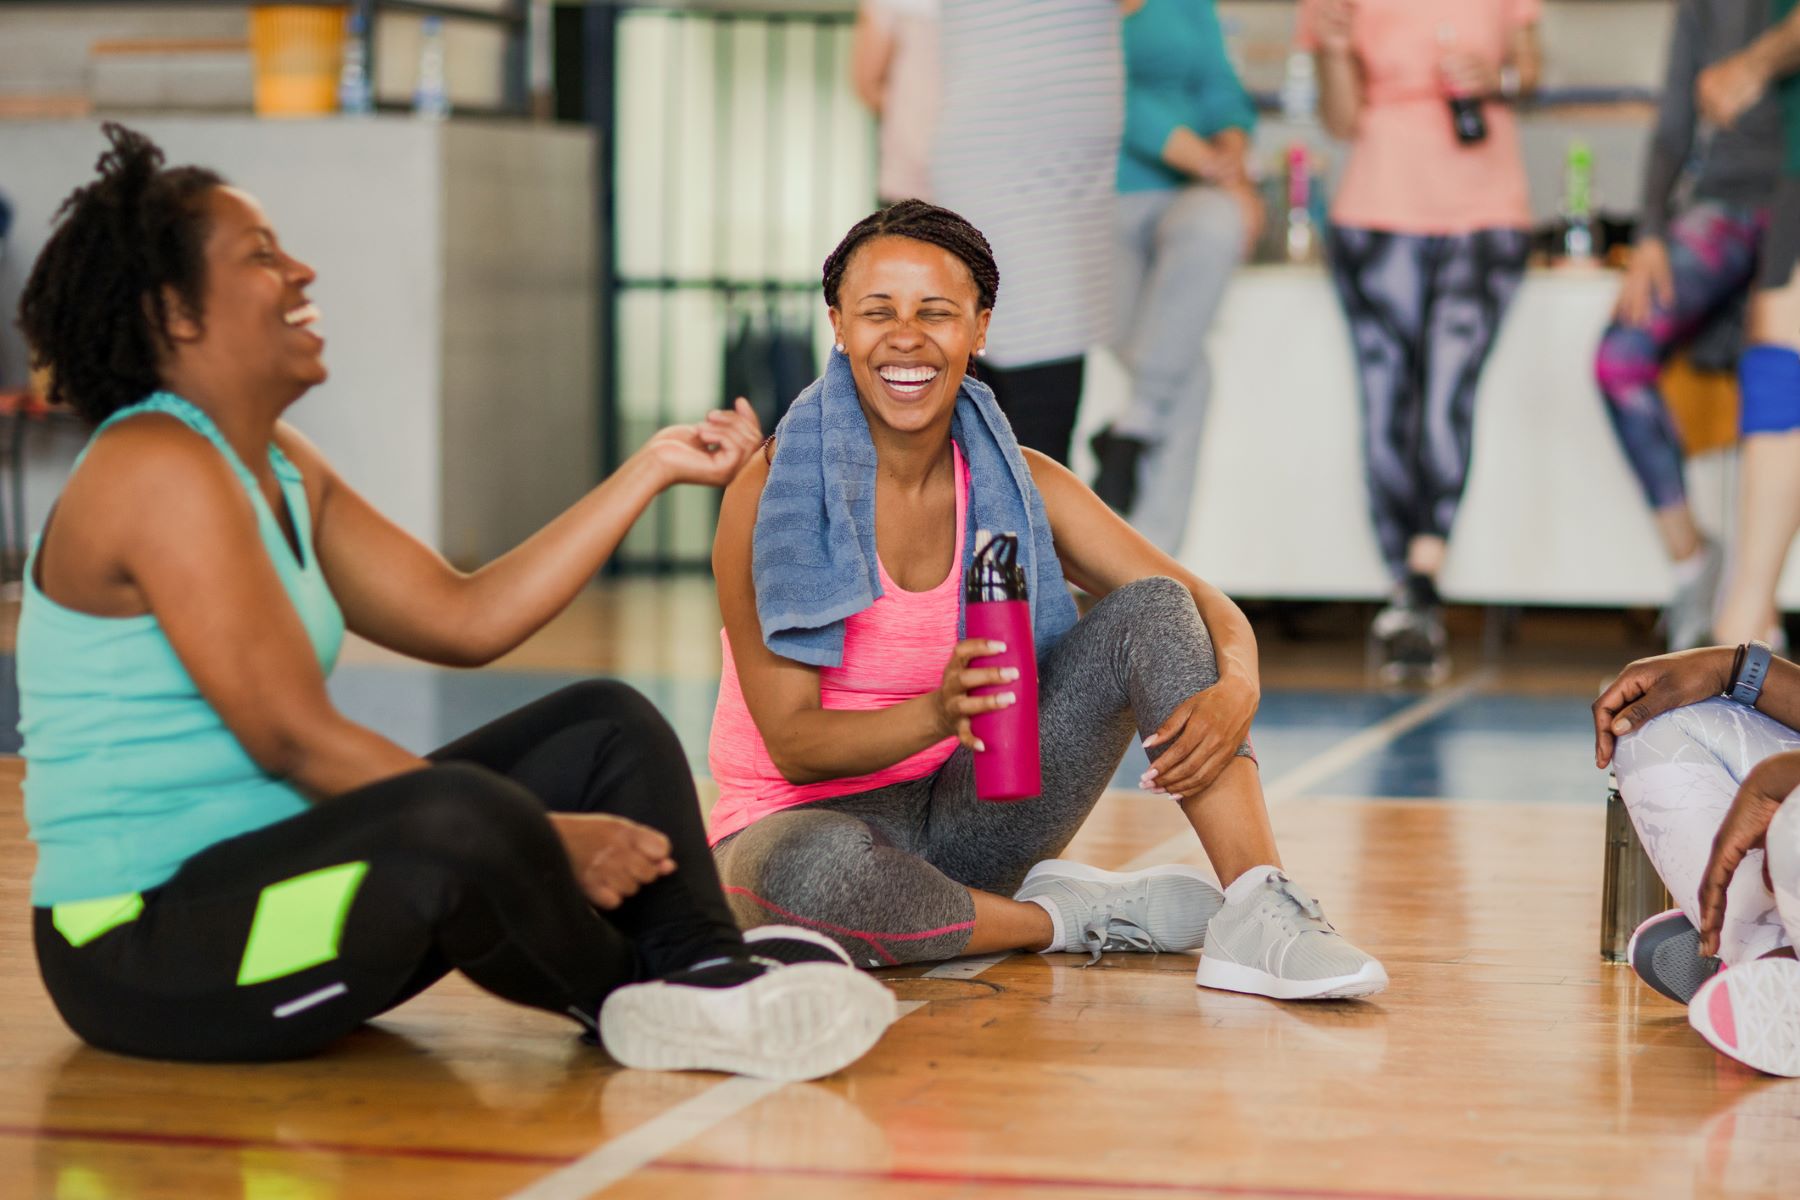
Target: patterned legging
{"points": [[1712, 258], [1423, 313], [1678, 775]]}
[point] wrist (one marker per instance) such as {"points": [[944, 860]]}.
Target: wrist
{"points": [[645, 474]]}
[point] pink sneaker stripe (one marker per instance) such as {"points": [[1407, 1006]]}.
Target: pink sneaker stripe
{"points": [[1718, 1012]]}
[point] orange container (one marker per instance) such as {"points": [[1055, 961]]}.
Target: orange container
{"points": [[297, 49]]}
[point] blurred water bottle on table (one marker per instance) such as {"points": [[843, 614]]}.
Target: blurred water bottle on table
{"points": [[1578, 204], [355, 96], [1302, 231], [1300, 89], [431, 96]]}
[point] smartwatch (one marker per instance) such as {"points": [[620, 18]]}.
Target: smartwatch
{"points": [[1748, 671]]}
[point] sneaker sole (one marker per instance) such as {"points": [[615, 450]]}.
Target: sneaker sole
{"points": [[793, 1023], [1062, 868], [1235, 977], [1752, 1013], [1649, 938]]}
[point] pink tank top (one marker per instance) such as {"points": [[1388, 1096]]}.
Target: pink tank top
{"points": [[894, 650]]}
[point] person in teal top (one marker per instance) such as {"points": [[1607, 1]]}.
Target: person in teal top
{"points": [[1187, 211], [230, 869], [1768, 506]]}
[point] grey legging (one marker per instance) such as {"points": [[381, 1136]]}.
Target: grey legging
{"points": [[886, 872]]}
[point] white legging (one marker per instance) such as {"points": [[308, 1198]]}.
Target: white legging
{"points": [[1678, 775]]}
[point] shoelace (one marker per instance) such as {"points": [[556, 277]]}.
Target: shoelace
{"points": [[1108, 931], [1297, 896]]}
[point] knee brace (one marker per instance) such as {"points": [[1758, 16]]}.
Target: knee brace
{"points": [[1768, 390]]}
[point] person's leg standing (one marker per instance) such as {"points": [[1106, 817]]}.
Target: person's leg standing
{"points": [[1712, 252], [1678, 775], [1199, 240], [1380, 282], [1768, 514], [1134, 245], [1474, 282]]}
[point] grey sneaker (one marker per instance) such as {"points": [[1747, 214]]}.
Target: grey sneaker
{"points": [[1157, 909], [1665, 953], [1687, 619], [1276, 942]]}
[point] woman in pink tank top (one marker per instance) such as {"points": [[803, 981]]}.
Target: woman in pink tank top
{"points": [[847, 800]]}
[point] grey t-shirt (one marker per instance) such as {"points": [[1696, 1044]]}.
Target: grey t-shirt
{"points": [[1738, 165]]}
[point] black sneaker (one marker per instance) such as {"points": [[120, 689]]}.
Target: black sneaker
{"points": [[790, 1007], [1665, 953], [1116, 482], [1408, 644]]}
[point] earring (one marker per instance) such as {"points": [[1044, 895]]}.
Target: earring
{"points": [[840, 347], [981, 353]]}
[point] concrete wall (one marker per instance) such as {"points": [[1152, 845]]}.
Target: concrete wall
{"points": [[456, 278]]}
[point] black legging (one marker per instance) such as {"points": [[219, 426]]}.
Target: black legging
{"points": [[1040, 401], [461, 870]]}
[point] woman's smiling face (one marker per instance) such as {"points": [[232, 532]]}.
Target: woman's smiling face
{"points": [[908, 316]]}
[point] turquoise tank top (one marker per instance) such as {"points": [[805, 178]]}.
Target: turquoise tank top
{"points": [[129, 771]]}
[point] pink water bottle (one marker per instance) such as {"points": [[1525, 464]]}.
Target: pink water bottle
{"points": [[997, 609]]}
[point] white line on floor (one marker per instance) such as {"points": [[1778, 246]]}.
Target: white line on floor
{"points": [[631, 1152], [625, 1155], [1320, 767]]}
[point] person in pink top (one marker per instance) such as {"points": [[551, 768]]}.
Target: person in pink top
{"points": [[842, 744], [1428, 239]]}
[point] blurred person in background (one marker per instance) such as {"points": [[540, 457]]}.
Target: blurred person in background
{"points": [[894, 69], [1769, 369], [1027, 147], [1427, 245], [1691, 268], [1187, 212]]}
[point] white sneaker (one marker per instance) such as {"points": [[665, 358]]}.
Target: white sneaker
{"points": [[1274, 940], [789, 1008], [1751, 1012], [1157, 909]]}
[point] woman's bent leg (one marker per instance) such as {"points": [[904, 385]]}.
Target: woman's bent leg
{"points": [[831, 871], [602, 747], [276, 943], [1678, 775], [1125, 666]]}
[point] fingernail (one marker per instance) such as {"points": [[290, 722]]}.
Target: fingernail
{"points": [[980, 745], [996, 647], [1153, 740], [1009, 673], [1150, 774], [1007, 698], [1175, 796], [1621, 726]]}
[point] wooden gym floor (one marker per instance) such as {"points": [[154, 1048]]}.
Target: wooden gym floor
{"points": [[1457, 834]]}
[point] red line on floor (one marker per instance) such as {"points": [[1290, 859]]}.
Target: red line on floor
{"points": [[210, 1141], [848, 1174], [1056, 1182]]}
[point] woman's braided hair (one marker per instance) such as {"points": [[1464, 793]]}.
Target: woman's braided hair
{"points": [[923, 223], [94, 311]]}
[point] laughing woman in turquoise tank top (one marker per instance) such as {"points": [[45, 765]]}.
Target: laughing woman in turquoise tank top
{"points": [[229, 868]]}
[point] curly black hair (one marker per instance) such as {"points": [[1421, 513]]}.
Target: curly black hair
{"points": [[924, 223], [95, 311]]}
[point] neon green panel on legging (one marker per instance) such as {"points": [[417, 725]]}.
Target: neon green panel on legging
{"points": [[299, 922], [81, 921]]}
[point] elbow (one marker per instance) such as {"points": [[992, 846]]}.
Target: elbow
{"points": [[792, 770]]}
